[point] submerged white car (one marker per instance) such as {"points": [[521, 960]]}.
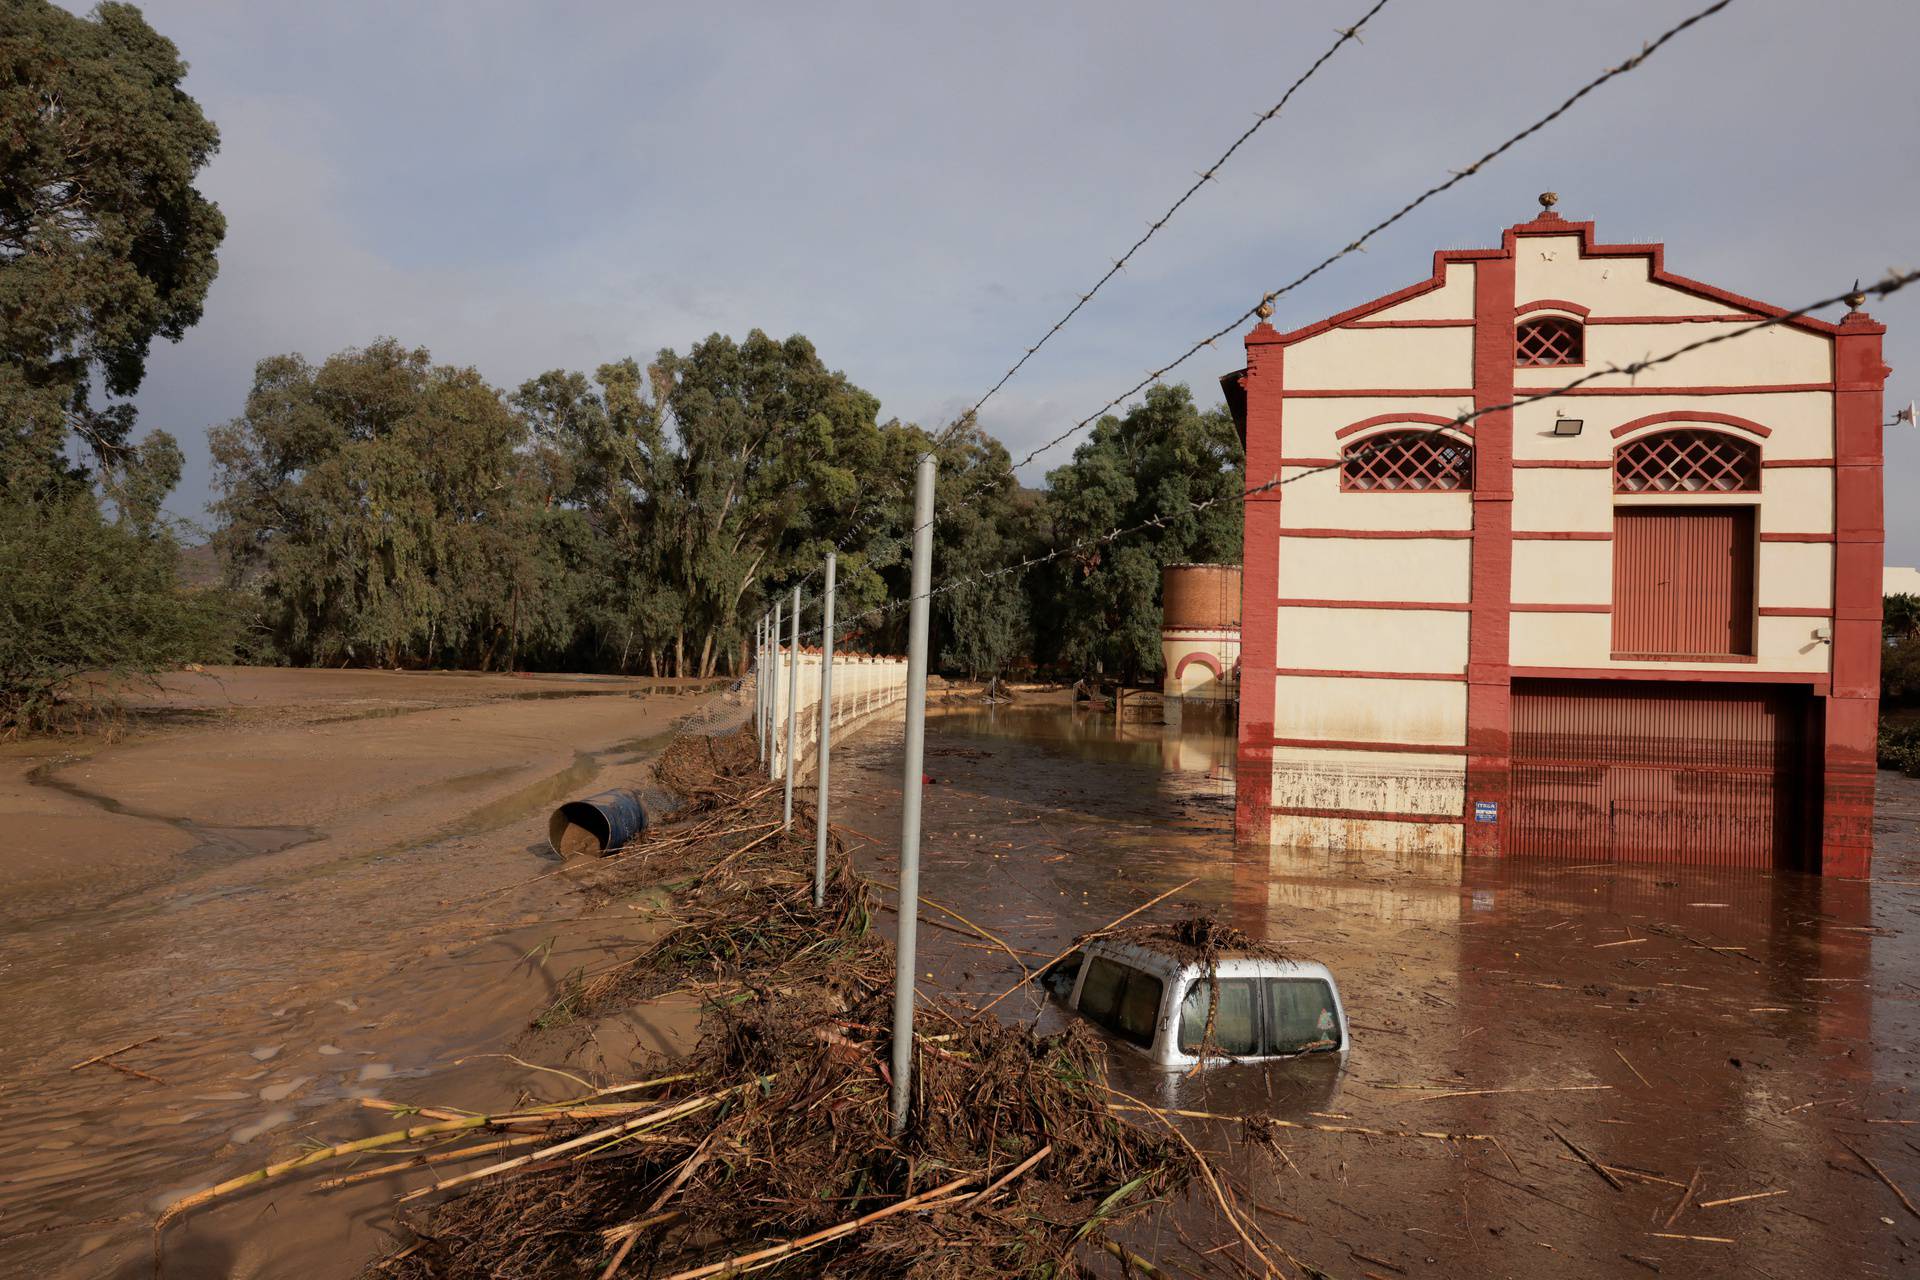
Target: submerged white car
{"points": [[1156, 1002]]}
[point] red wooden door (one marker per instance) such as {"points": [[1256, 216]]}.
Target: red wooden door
{"points": [[1683, 581], [1708, 775]]}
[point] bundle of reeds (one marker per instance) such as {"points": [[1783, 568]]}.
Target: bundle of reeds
{"points": [[768, 1147]]}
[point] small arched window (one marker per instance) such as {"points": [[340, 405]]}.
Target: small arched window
{"points": [[1547, 341], [1407, 460], [1687, 461]]}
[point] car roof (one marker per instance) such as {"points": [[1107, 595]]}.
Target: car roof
{"points": [[1166, 965]]}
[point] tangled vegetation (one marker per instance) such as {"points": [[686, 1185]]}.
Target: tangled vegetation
{"points": [[770, 1145]]}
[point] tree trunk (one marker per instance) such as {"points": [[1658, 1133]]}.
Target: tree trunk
{"points": [[706, 657], [680, 653], [513, 644]]}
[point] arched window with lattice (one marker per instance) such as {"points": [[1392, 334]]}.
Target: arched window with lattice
{"points": [[1688, 460], [1546, 341], [1407, 461]]}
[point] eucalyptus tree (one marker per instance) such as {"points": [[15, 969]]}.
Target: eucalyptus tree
{"points": [[105, 245], [386, 508], [1098, 608], [771, 452]]}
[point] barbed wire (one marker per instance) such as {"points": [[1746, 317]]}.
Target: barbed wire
{"points": [[1647, 50], [1894, 281], [1350, 34], [1205, 176], [1456, 177]]}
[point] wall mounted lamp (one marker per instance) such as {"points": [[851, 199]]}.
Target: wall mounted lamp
{"points": [[1568, 426]]}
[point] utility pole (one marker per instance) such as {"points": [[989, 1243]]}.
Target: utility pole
{"points": [[826, 739], [773, 701], [793, 702], [909, 905]]}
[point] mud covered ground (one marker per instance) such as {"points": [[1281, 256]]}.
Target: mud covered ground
{"points": [[1741, 1028], [312, 893], [297, 889]]}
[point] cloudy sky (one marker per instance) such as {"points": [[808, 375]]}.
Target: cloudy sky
{"points": [[922, 189]]}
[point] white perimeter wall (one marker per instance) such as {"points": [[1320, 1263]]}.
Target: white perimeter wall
{"points": [[861, 687]]}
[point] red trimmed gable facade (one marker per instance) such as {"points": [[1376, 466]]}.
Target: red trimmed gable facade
{"points": [[1638, 620]]}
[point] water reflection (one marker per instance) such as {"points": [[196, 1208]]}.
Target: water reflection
{"points": [[1669, 1019]]}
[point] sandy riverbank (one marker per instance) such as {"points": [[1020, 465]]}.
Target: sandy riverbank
{"points": [[305, 886]]}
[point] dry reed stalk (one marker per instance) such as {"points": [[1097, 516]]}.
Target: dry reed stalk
{"points": [[1588, 1160], [1206, 1171], [102, 1057], [994, 939], [662, 1116], [1012, 1173], [1128, 1258], [1881, 1174], [427, 1158], [775, 1253], [1756, 1195], [1108, 928], [1359, 1129], [374, 1143], [1549, 1088]]}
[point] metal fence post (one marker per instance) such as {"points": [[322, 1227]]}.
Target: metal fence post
{"points": [[793, 704], [760, 684], [916, 741], [773, 698], [826, 740]]}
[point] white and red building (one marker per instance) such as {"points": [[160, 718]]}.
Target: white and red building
{"points": [[1635, 620]]}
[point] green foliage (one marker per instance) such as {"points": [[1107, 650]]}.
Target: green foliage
{"points": [[1900, 616], [1900, 747], [1900, 659], [1900, 672], [1099, 611], [393, 511], [771, 449], [104, 243], [86, 603], [982, 626], [389, 510]]}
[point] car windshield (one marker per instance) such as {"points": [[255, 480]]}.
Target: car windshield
{"points": [[1300, 1016], [1122, 999], [1235, 1028]]}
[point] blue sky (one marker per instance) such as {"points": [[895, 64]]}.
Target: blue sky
{"points": [[922, 189]]}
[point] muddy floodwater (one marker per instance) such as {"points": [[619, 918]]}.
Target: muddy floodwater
{"points": [[1728, 1033], [306, 895], [289, 892]]}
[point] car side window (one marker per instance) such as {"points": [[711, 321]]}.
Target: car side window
{"points": [[1235, 1027], [1122, 999], [1301, 1017], [1140, 1009], [1100, 992]]}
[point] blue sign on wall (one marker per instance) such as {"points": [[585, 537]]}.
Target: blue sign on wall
{"points": [[1486, 811]]}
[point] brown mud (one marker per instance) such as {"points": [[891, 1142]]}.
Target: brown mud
{"points": [[769, 1142], [1666, 1022], [1725, 1047], [302, 889]]}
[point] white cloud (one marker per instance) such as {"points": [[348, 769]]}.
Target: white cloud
{"points": [[922, 190]]}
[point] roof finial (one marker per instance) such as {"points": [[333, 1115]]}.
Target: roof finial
{"points": [[1265, 309], [1856, 299], [1548, 199]]}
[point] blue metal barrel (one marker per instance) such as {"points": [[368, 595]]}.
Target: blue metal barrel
{"points": [[597, 825]]}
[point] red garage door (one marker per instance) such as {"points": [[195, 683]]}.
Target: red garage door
{"points": [[1710, 775]]}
